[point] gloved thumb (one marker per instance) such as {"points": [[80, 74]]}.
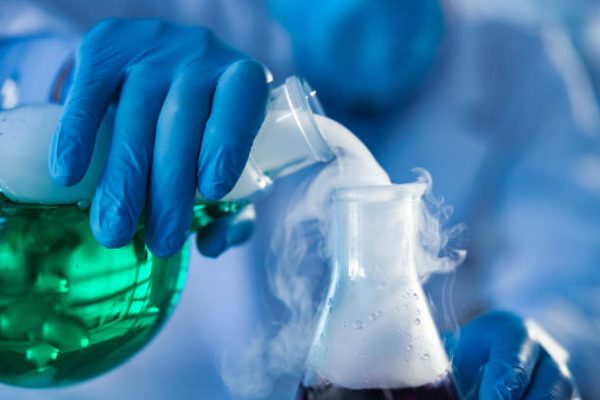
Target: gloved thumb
{"points": [[513, 356], [226, 232]]}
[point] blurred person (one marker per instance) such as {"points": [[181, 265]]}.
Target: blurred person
{"points": [[508, 126], [578, 20], [581, 22], [484, 105]]}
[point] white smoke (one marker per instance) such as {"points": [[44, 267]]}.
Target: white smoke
{"points": [[440, 254], [298, 261]]}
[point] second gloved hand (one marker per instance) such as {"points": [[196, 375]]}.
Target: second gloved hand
{"points": [[498, 356], [187, 110]]}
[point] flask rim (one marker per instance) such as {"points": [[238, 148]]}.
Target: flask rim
{"points": [[305, 105], [380, 193]]}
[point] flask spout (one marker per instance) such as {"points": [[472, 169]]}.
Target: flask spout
{"points": [[288, 140]]}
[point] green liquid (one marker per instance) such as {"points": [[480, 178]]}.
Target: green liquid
{"points": [[205, 213], [71, 309]]}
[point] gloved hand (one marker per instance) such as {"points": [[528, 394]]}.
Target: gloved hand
{"points": [[363, 55], [226, 232], [187, 110], [497, 356]]}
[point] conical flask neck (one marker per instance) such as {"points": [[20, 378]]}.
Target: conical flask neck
{"points": [[375, 232]]}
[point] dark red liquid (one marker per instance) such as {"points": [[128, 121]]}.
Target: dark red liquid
{"points": [[440, 390]]}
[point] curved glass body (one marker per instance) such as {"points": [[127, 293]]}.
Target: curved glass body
{"points": [[376, 338], [71, 309]]}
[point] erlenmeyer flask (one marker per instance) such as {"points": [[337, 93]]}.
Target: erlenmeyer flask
{"points": [[376, 338]]}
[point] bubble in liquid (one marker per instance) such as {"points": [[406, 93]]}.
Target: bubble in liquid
{"points": [[425, 357], [418, 321], [375, 315], [358, 324], [41, 354], [382, 285], [409, 347]]}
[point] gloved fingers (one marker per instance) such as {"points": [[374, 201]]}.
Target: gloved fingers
{"points": [[95, 83], [226, 232], [121, 192], [550, 383], [513, 356], [173, 177], [467, 362], [470, 348], [238, 109]]}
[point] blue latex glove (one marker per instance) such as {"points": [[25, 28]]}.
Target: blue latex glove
{"points": [[362, 54], [226, 232], [187, 110], [497, 357]]}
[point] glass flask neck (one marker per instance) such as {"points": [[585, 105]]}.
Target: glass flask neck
{"points": [[375, 231]]}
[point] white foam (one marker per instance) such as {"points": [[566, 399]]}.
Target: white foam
{"points": [[377, 330], [373, 345], [25, 135], [354, 165], [295, 276]]}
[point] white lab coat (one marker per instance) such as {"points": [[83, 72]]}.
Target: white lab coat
{"points": [[505, 125]]}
